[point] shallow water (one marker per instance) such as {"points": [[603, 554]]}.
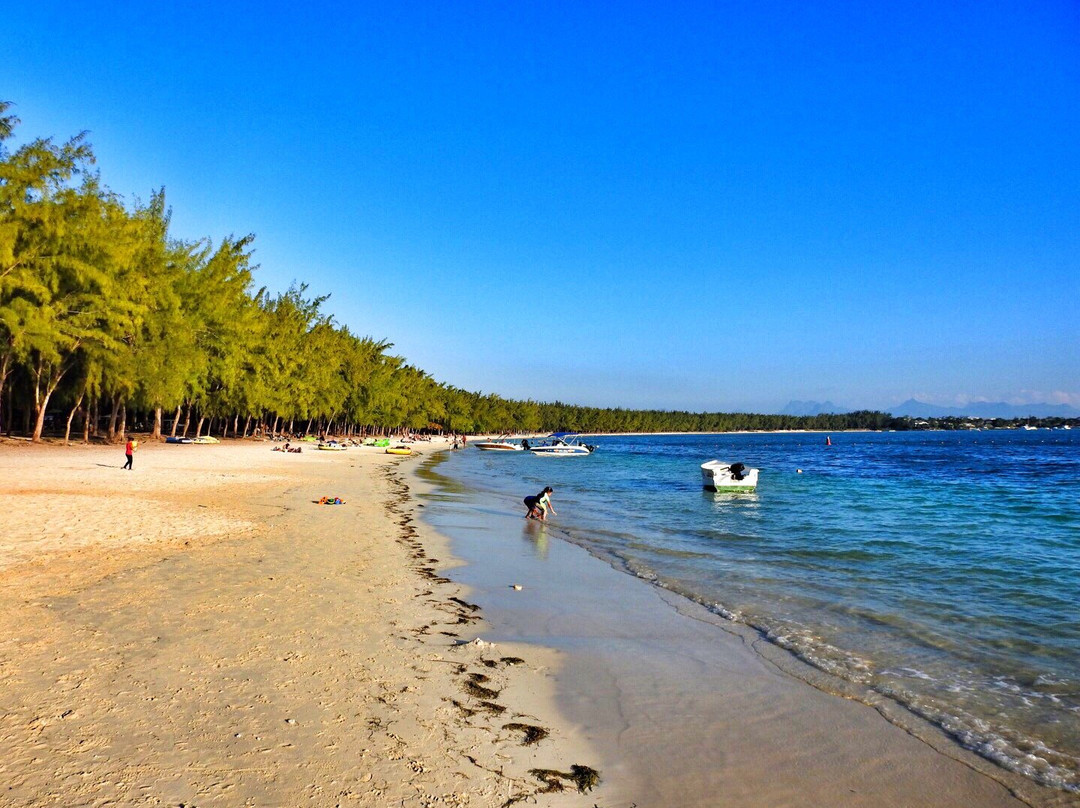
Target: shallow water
{"points": [[941, 569]]}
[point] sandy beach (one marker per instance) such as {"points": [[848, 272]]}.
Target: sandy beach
{"points": [[200, 631]]}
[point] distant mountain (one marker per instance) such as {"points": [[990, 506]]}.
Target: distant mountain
{"points": [[982, 409], [812, 408]]}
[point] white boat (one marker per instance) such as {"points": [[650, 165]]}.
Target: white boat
{"points": [[716, 475], [499, 445], [558, 446]]}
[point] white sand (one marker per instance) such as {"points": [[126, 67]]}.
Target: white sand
{"points": [[198, 632]]}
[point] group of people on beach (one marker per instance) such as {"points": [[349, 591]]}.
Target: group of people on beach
{"points": [[536, 506]]}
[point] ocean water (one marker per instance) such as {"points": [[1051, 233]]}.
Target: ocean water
{"points": [[939, 569]]}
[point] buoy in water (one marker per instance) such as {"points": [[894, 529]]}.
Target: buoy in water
{"points": [[828, 440]]}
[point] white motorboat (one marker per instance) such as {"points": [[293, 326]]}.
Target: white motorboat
{"points": [[498, 445], [557, 445], [716, 475]]}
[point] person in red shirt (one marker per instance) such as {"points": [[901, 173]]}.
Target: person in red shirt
{"points": [[129, 450]]}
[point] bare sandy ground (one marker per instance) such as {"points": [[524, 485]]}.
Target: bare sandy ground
{"points": [[199, 632]]}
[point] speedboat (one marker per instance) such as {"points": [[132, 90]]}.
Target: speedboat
{"points": [[499, 445], [716, 475], [557, 445]]}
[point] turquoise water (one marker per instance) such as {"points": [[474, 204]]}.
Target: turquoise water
{"points": [[941, 569]]}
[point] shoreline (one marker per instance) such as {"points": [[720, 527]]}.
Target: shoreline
{"points": [[199, 631], [623, 640]]}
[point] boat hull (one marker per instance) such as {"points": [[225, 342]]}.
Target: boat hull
{"points": [[716, 476], [495, 446], [560, 451]]}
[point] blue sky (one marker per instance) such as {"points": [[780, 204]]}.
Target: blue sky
{"points": [[712, 206]]}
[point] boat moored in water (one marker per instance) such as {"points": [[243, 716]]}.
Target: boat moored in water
{"points": [[561, 444], [498, 445], [716, 475]]}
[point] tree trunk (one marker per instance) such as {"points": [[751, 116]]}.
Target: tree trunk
{"points": [[123, 421], [5, 364], [273, 432], [198, 427], [10, 409], [156, 434], [175, 421], [110, 434], [247, 425], [41, 398], [187, 419], [71, 417]]}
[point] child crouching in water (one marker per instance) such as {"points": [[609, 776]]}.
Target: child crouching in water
{"points": [[537, 507]]}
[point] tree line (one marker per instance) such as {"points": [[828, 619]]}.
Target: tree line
{"points": [[109, 322]]}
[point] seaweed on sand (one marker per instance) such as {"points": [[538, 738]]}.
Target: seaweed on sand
{"points": [[532, 734], [472, 607], [468, 712], [584, 777], [479, 691]]}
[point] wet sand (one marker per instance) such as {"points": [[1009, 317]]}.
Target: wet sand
{"points": [[688, 709], [199, 632]]}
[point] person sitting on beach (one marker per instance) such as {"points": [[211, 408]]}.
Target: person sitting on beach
{"points": [[538, 506]]}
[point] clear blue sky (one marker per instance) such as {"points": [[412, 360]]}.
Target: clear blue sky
{"points": [[706, 206]]}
